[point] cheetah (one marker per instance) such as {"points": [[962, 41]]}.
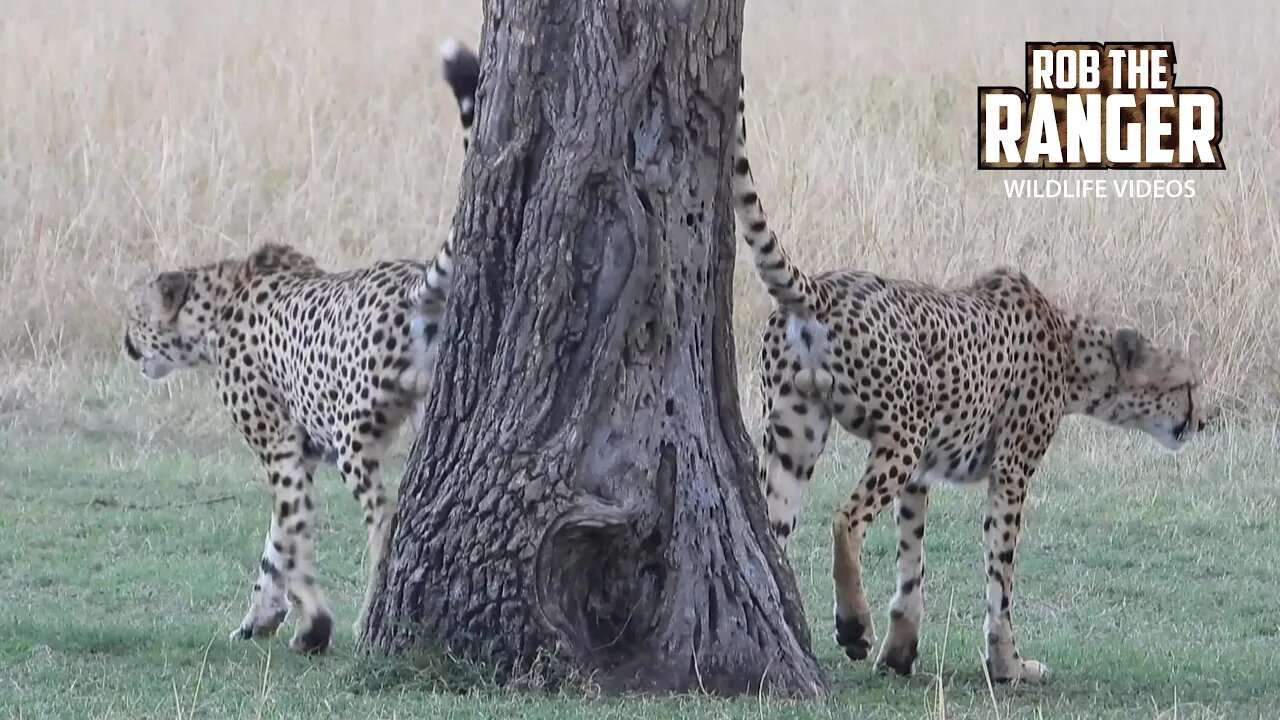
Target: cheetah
{"points": [[964, 386], [314, 367]]}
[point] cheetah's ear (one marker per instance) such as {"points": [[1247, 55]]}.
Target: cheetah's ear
{"points": [[1131, 349], [167, 294]]}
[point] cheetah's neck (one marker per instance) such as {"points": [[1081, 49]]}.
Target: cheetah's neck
{"points": [[1091, 376]]}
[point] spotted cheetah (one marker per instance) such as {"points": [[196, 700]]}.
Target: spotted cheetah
{"points": [[961, 386], [314, 367]]}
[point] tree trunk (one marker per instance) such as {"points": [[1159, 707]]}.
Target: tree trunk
{"points": [[583, 489]]}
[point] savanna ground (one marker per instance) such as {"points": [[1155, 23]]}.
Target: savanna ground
{"points": [[137, 135]]}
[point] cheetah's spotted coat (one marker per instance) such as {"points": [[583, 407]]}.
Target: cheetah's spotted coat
{"points": [[964, 386], [314, 367]]}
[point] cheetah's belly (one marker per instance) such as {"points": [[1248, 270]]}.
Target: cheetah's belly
{"points": [[962, 458]]}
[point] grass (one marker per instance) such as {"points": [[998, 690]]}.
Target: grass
{"points": [[136, 136], [1146, 583]]}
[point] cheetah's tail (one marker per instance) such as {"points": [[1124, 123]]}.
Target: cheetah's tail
{"points": [[790, 288], [437, 281], [428, 299], [462, 71]]}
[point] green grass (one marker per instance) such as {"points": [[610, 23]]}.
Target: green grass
{"points": [[128, 540]]}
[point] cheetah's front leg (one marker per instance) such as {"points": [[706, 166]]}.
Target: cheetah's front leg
{"points": [[268, 605], [901, 645], [292, 541], [1005, 496]]}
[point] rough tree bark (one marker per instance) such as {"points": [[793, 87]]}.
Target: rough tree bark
{"points": [[584, 488]]}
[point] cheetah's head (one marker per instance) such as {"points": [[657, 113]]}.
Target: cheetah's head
{"points": [[1148, 388], [168, 321]]}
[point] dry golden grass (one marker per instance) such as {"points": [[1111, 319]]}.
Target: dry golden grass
{"points": [[139, 135]]}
